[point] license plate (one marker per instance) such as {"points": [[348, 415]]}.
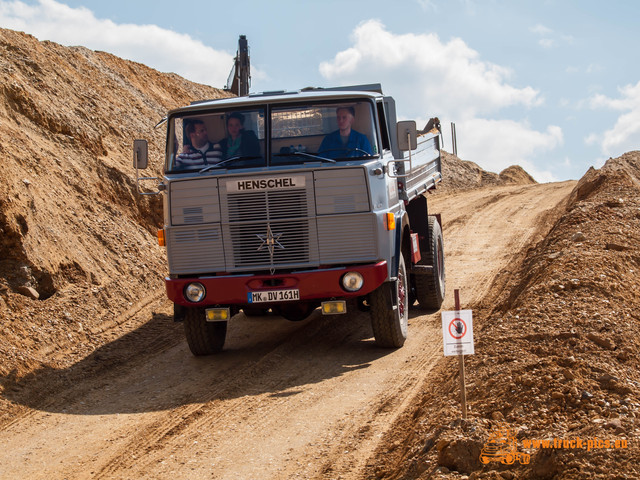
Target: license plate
{"points": [[274, 296]]}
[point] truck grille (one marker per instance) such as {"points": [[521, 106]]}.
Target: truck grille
{"points": [[269, 228]]}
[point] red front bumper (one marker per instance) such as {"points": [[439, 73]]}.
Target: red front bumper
{"points": [[313, 285]]}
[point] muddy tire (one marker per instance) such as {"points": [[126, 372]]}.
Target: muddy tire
{"points": [[390, 322], [430, 287], [203, 338]]}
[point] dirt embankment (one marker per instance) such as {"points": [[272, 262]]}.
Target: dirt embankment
{"points": [[462, 174], [556, 344], [77, 244]]}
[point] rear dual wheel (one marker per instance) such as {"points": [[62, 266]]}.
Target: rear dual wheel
{"points": [[430, 287]]}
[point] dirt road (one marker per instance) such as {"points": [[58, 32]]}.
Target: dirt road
{"points": [[285, 400]]}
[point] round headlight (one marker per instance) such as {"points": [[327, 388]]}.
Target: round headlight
{"points": [[195, 292], [352, 281]]}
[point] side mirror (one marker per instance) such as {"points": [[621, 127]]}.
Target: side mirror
{"points": [[407, 135], [140, 154]]}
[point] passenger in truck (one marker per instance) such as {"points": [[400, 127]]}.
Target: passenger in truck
{"points": [[345, 142], [239, 142], [199, 151]]}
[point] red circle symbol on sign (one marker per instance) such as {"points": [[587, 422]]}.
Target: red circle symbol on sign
{"points": [[457, 328]]}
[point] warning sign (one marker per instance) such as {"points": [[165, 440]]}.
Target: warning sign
{"points": [[457, 328], [457, 332]]}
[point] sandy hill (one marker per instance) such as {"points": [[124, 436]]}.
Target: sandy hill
{"points": [[556, 353], [73, 229], [460, 174]]}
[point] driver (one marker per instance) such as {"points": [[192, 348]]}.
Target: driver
{"points": [[345, 142]]}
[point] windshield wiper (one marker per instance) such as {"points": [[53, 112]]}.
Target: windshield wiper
{"points": [[349, 150], [359, 157], [304, 154], [219, 164], [315, 157]]}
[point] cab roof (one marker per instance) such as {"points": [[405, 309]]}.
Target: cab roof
{"points": [[371, 91]]}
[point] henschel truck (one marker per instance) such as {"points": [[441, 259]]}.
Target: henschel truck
{"points": [[290, 201]]}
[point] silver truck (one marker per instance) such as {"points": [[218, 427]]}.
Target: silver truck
{"points": [[292, 201]]}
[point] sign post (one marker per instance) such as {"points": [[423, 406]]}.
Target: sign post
{"points": [[457, 334]]}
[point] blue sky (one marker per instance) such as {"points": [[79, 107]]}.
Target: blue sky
{"points": [[553, 86]]}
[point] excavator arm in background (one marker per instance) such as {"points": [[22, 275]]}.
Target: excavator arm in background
{"points": [[239, 79]]}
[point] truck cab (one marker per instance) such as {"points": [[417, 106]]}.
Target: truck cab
{"points": [[290, 201]]}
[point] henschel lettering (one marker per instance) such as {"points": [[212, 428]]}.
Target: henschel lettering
{"points": [[265, 183]]}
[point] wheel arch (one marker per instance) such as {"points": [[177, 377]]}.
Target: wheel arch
{"points": [[403, 242]]}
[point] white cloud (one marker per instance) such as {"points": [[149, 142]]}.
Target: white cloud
{"points": [[547, 42], [594, 68], [624, 136], [470, 7], [589, 69], [540, 30], [428, 5], [549, 37], [498, 144], [568, 39], [448, 77], [428, 77], [544, 32], [156, 47]]}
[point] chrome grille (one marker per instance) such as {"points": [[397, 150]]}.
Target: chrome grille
{"points": [[247, 207], [269, 229], [263, 206], [288, 243]]}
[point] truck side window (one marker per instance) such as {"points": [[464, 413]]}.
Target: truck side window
{"points": [[384, 128]]}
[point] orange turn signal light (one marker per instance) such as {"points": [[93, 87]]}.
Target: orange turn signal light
{"points": [[391, 221], [161, 240]]}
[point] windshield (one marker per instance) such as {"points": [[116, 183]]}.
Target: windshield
{"points": [[324, 132], [229, 139]]}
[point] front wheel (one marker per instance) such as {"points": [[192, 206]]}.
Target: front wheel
{"points": [[203, 338], [390, 310]]}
